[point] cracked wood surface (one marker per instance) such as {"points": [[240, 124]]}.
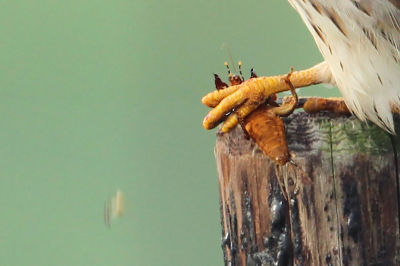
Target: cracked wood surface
{"points": [[340, 206]]}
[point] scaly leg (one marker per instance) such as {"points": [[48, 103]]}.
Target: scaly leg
{"points": [[247, 96], [317, 104], [334, 105]]}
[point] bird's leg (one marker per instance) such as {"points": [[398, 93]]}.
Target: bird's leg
{"points": [[242, 99], [316, 104], [334, 105]]}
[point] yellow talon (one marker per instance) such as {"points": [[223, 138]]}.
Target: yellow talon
{"points": [[245, 97], [230, 123]]}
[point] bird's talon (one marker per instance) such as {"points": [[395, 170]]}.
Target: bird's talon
{"points": [[287, 78]]}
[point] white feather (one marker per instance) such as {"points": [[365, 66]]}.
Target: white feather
{"points": [[366, 72]]}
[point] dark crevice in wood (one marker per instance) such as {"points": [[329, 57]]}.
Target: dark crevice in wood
{"points": [[283, 259], [233, 231], [334, 192], [396, 168], [297, 234]]}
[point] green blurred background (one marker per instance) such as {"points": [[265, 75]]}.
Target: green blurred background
{"points": [[97, 96]]}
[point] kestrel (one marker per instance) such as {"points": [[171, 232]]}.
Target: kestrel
{"points": [[360, 42]]}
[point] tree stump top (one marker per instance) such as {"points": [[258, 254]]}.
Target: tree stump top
{"points": [[338, 206]]}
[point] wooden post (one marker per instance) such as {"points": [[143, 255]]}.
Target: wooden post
{"points": [[340, 206]]}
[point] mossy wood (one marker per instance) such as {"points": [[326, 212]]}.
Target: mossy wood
{"points": [[339, 207]]}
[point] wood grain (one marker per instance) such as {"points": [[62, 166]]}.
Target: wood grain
{"points": [[338, 206]]}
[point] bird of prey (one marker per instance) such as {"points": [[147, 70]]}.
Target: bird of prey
{"points": [[360, 42]]}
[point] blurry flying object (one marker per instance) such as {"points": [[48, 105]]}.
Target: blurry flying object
{"points": [[114, 208]]}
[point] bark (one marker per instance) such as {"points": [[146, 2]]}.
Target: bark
{"points": [[339, 205]]}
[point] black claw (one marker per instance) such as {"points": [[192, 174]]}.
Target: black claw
{"points": [[253, 73], [219, 84]]}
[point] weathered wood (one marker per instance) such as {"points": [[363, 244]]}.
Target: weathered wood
{"points": [[339, 206]]}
